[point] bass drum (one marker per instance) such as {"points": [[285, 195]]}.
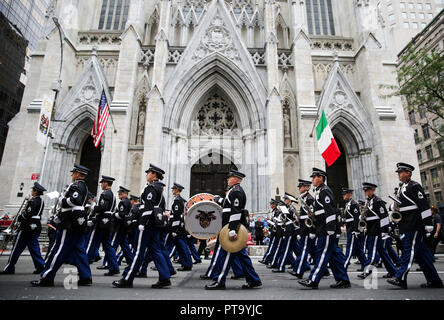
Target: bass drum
{"points": [[203, 216], [197, 198]]}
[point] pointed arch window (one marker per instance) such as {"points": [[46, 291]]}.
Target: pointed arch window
{"points": [[215, 116], [114, 14], [320, 17]]}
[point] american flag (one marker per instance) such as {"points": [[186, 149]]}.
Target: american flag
{"points": [[100, 121]]}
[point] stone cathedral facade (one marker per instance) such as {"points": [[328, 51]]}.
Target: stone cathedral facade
{"points": [[197, 86]]}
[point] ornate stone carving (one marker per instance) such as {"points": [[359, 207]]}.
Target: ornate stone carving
{"points": [[217, 38], [332, 44], [340, 99], [174, 55], [141, 121], [147, 55], [100, 37], [88, 94]]}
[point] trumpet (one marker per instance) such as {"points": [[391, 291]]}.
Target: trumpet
{"points": [[14, 222], [396, 215], [309, 221]]}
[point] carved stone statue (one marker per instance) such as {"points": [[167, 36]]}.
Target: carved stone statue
{"points": [[140, 127]]}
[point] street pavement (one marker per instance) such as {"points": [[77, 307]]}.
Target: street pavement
{"points": [[188, 286]]}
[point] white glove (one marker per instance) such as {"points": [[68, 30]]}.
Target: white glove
{"points": [[330, 233], [428, 229], [298, 237], [141, 228], [312, 235], [338, 236], [188, 235], [232, 233], [355, 233], [174, 234], [89, 223], [384, 236]]}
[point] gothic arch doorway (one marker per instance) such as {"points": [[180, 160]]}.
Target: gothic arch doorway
{"points": [[337, 175], [209, 175], [91, 157]]}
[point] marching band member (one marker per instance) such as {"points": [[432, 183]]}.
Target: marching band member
{"points": [[29, 228], [233, 207], [414, 227], [325, 224], [306, 234], [103, 231], [271, 233], [352, 215], [276, 233], [377, 220], [70, 238], [178, 229], [149, 236]]}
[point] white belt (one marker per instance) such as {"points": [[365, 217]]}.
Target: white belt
{"points": [[235, 217], [147, 213], [226, 210], [413, 207], [426, 213], [78, 208], [318, 212], [142, 207], [110, 212], [289, 222], [372, 218], [35, 217], [175, 223], [349, 220], [303, 217]]}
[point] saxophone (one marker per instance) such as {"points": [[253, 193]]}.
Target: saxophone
{"points": [[309, 221]]}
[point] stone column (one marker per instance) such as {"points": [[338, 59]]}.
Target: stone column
{"points": [[153, 141], [275, 139]]}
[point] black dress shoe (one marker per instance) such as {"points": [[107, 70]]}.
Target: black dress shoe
{"points": [[308, 283], [437, 285], [6, 272], [277, 271], [297, 275], [84, 282], [111, 273], [198, 261], [326, 273], [122, 283], [43, 283], [184, 269], [269, 266], [360, 270], [419, 269], [140, 275], [237, 277], [388, 276], [97, 259], [161, 284], [399, 283], [153, 268], [251, 285], [379, 265], [172, 273], [215, 286], [261, 261], [37, 271], [101, 267], [363, 275], [341, 285], [204, 277]]}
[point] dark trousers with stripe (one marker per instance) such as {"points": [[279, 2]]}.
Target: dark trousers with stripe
{"points": [[192, 247], [148, 240], [388, 245], [103, 237], [375, 250], [328, 253], [354, 249], [149, 257], [414, 247], [271, 243], [224, 262], [119, 238], [183, 251], [237, 267], [25, 239], [284, 253], [68, 245], [272, 256], [216, 252], [301, 265]]}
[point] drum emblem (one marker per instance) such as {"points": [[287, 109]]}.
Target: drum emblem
{"points": [[205, 218]]}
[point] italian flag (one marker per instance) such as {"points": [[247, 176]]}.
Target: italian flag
{"points": [[326, 142]]}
